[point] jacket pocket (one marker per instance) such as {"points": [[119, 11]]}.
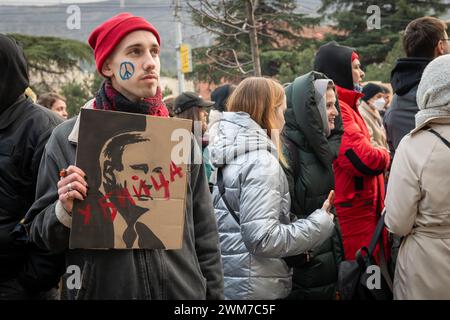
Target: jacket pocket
{"points": [[6, 150], [7, 161], [201, 276]]}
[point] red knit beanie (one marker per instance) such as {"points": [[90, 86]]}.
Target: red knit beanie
{"points": [[107, 36], [354, 56]]}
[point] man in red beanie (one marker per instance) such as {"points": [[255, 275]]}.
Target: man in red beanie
{"points": [[126, 50]]}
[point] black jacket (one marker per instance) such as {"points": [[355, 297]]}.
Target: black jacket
{"points": [[399, 119], [310, 175], [24, 130]]}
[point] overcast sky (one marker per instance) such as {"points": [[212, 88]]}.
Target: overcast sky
{"points": [[43, 2]]}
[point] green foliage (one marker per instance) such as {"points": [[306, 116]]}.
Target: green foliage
{"points": [[382, 71], [278, 33], [53, 55], [169, 56], [204, 70], [294, 64], [96, 83], [76, 94], [373, 45], [167, 92]]}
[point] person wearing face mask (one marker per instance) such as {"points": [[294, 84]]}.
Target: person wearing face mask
{"points": [[370, 107], [311, 139], [359, 166]]}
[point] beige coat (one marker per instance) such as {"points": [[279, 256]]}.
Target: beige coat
{"points": [[418, 207], [374, 123]]}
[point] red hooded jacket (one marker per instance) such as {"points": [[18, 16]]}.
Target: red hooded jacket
{"points": [[358, 171]]}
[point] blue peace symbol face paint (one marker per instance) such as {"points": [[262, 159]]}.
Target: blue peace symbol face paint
{"points": [[126, 70]]}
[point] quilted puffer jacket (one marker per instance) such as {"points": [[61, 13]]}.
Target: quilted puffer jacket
{"points": [[257, 190], [309, 154]]}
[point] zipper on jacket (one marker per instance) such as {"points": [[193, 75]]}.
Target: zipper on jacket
{"points": [[162, 273], [143, 262], [155, 272]]}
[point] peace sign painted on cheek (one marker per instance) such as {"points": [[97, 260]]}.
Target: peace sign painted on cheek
{"points": [[126, 70]]}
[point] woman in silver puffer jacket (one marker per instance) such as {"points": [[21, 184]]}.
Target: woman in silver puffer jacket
{"points": [[256, 229]]}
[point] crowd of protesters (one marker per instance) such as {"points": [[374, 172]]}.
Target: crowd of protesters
{"points": [[292, 181]]}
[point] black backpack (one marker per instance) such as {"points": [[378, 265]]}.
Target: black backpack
{"points": [[354, 276]]}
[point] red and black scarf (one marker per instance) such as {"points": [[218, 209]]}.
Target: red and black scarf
{"points": [[108, 98]]}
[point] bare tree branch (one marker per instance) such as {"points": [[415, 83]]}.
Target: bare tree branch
{"points": [[221, 33], [259, 20], [214, 16], [250, 7], [223, 70], [228, 64], [289, 31], [271, 37], [230, 16]]}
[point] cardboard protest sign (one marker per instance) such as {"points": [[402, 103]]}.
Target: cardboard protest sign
{"points": [[137, 192]]}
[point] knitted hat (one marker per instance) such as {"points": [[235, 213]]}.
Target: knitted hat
{"points": [[370, 90], [107, 36], [433, 93]]}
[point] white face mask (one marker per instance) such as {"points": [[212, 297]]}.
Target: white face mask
{"points": [[357, 87], [379, 104]]}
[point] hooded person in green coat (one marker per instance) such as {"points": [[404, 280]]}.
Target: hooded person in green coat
{"points": [[311, 137]]}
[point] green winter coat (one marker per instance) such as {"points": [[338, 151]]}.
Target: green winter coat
{"points": [[309, 154]]}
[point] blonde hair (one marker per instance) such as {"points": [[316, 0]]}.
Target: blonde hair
{"points": [[259, 97], [30, 94]]}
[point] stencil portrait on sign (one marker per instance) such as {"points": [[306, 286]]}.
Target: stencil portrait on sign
{"points": [[136, 194]]}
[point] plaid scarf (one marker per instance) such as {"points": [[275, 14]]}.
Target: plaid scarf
{"points": [[108, 98]]}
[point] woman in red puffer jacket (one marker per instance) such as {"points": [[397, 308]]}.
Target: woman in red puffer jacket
{"points": [[359, 167]]}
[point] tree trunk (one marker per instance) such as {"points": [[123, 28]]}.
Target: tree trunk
{"points": [[250, 6]]}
